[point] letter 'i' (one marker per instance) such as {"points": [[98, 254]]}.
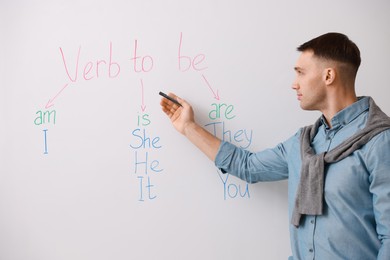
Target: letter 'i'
{"points": [[45, 140]]}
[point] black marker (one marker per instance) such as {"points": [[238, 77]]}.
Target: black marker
{"points": [[169, 98]]}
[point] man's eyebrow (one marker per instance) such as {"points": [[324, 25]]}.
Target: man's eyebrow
{"points": [[298, 68]]}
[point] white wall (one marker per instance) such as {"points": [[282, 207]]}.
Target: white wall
{"points": [[77, 194]]}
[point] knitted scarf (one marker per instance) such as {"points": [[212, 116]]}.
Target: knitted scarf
{"points": [[309, 198]]}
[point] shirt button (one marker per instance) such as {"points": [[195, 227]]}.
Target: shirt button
{"points": [[311, 250], [312, 221]]}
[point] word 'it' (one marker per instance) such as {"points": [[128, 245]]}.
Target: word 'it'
{"points": [[145, 188]]}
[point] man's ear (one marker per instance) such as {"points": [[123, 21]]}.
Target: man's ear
{"points": [[329, 75]]}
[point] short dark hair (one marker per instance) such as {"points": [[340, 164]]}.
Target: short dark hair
{"points": [[336, 47]]}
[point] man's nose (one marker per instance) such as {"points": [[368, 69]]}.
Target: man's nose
{"points": [[295, 85]]}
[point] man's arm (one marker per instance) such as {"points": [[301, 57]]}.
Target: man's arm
{"points": [[379, 166], [182, 118]]}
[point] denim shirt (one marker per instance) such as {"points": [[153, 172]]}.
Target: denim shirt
{"points": [[355, 223]]}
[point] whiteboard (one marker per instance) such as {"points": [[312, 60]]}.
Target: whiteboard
{"points": [[90, 166]]}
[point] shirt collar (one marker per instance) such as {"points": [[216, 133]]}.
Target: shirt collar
{"points": [[349, 113]]}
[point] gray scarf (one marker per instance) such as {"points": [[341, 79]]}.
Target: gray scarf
{"points": [[309, 197]]}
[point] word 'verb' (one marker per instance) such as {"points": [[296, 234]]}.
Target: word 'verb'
{"points": [[91, 69]]}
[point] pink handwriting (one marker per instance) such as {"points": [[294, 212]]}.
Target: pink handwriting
{"points": [[92, 69], [146, 61], [191, 62]]}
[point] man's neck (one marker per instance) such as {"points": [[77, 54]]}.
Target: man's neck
{"points": [[337, 104]]}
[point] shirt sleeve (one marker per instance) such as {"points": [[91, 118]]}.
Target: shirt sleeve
{"points": [[267, 165], [379, 167]]}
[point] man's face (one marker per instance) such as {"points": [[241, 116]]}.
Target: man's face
{"points": [[309, 82]]}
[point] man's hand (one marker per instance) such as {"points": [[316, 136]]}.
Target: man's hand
{"points": [[182, 118]]}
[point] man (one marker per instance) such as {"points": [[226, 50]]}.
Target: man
{"points": [[338, 169]]}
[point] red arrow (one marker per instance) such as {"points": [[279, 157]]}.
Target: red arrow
{"points": [[50, 103], [143, 106], [216, 95]]}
